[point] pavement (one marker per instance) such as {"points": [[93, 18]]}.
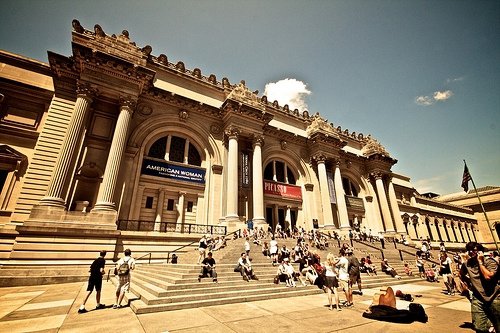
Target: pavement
{"points": [[53, 308]]}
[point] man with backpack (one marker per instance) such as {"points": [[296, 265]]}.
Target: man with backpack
{"points": [[122, 270], [95, 281]]}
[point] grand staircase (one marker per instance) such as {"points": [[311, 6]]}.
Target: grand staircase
{"points": [[165, 287]]}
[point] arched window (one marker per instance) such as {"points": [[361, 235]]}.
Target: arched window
{"points": [[279, 171], [175, 150], [349, 187]]}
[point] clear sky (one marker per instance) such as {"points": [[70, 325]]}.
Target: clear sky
{"points": [[422, 77]]}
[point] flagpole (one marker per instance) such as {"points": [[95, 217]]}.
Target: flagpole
{"points": [[482, 207]]}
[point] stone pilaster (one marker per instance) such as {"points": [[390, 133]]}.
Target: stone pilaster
{"points": [[54, 196], [180, 208], [159, 208], [118, 144]]}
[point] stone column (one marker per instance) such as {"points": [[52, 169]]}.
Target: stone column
{"points": [[118, 144], [324, 191], [232, 173], [340, 194], [54, 196], [258, 182], [288, 218], [451, 230], [159, 208], [167, 148], [442, 230], [395, 209], [384, 205], [186, 152], [180, 208]]}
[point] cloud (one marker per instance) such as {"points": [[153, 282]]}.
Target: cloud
{"points": [[288, 91], [450, 80], [442, 95], [437, 96], [424, 100]]}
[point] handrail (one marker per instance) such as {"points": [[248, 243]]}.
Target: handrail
{"points": [[190, 244], [330, 237], [147, 254], [413, 254], [373, 247], [188, 228]]}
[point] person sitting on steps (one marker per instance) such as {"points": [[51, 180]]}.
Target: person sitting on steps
{"points": [[245, 268], [208, 268]]}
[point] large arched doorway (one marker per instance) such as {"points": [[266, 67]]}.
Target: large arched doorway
{"points": [[282, 195]]}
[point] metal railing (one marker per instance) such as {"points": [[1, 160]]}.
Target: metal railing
{"points": [[401, 251], [196, 241], [186, 228], [371, 246]]}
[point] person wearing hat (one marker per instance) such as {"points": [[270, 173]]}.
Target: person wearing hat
{"points": [[388, 269]]}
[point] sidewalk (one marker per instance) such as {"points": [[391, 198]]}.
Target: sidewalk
{"points": [[53, 308]]}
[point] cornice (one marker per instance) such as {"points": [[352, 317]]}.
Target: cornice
{"points": [[156, 95]]}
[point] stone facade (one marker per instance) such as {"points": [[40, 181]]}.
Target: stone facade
{"points": [[114, 133]]}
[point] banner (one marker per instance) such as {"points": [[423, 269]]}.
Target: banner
{"points": [[173, 171], [245, 170], [283, 190], [331, 188]]}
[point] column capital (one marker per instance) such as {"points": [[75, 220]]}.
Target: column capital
{"points": [[232, 132], [85, 90], [128, 103], [182, 193], [257, 140], [319, 158], [377, 175]]}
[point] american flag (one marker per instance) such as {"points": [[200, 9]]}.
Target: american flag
{"points": [[466, 178]]}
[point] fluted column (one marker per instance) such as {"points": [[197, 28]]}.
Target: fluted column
{"points": [[340, 194], [257, 182], [232, 173], [159, 208], [180, 208], [54, 196], [442, 230], [288, 217], [324, 191], [451, 230], [107, 189], [395, 209], [384, 205]]}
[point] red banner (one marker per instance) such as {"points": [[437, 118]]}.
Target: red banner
{"points": [[283, 190]]}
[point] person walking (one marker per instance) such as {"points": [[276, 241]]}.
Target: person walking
{"points": [[354, 273], [446, 272], [95, 282], [342, 266], [202, 248], [123, 268]]}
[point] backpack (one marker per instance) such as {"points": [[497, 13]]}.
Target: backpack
{"points": [[124, 268]]}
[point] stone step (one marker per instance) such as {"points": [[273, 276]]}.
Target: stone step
{"points": [[140, 307]]}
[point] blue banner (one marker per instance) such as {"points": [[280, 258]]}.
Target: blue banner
{"points": [[174, 171]]}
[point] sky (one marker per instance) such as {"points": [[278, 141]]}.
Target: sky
{"points": [[422, 77]]}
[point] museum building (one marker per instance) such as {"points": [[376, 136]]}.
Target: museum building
{"points": [[113, 143]]}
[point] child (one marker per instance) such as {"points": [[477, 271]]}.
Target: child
{"points": [[408, 270], [430, 275]]}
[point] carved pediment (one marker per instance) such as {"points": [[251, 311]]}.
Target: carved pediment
{"points": [[320, 125], [373, 147]]}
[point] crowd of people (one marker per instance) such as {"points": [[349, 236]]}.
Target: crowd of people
{"points": [[475, 269]]}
